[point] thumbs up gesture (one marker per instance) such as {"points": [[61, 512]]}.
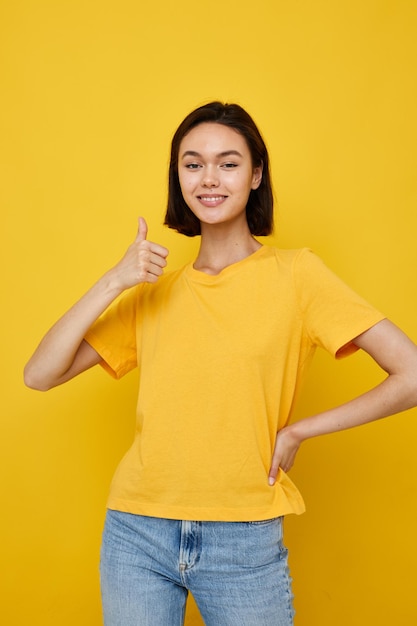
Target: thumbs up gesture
{"points": [[143, 262]]}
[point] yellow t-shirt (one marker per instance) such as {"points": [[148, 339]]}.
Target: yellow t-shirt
{"points": [[220, 361]]}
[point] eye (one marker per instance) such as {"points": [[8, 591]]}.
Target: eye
{"points": [[229, 165], [192, 166]]}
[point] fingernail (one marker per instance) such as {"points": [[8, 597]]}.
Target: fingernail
{"points": [[271, 481]]}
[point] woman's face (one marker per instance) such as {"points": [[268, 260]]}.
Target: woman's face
{"points": [[216, 173]]}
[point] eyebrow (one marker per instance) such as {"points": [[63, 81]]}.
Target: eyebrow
{"points": [[226, 153]]}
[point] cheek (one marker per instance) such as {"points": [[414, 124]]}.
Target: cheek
{"points": [[184, 189], [185, 183], [243, 184], [188, 192]]}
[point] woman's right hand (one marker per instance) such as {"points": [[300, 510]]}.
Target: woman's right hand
{"points": [[63, 353], [143, 262]]}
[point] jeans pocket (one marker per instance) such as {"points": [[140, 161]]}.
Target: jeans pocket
{"points": [[264, 522]]}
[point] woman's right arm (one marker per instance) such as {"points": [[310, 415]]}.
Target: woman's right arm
{"points": [[63, 353]]}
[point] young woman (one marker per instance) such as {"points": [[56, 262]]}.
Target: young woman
{"points": [[197, 502]]}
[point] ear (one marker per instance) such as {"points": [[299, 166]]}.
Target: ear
{"points": [[257, 176]]}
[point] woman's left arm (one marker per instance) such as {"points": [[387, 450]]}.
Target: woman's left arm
{"points": [[397, 355]]}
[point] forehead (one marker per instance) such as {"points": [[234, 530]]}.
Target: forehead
{"points": [[210, 137]]}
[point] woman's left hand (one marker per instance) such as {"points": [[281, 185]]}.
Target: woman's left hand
{"points": [[396, 354], [286, 447]]}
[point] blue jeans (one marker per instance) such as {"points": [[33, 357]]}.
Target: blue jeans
{"points": [[236, 571]]}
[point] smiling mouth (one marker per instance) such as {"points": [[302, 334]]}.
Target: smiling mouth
{"points": [[211, 199]]}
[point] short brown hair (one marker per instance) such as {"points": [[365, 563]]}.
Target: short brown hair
{"points": [[259, 209]]}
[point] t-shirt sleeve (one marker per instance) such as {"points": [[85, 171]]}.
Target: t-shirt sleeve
{"points": [[333, 314], [113, 335]]}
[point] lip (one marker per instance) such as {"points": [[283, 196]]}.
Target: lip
{"points": [[211, 200]]}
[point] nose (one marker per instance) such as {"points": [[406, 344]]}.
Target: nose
{"points": [[210, 179]]}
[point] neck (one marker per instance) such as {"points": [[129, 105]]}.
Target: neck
{"points": [[220, 248]]}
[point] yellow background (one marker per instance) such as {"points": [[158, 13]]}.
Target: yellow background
{"points": [[91, 93]]}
